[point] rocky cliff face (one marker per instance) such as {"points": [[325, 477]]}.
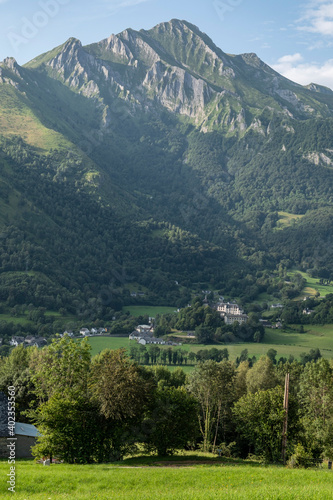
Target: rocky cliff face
{"points": [[176, 67]]}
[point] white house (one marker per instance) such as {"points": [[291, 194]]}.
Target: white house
{"points": [[229, 319], [85, 332], [16, 341], [144, 328], [40, 342], [30, 339], [135, 335], [308, 311]]}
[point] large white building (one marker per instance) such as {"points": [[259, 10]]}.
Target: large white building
{"points": [[229, 308], [229, 319], [231, 312]]}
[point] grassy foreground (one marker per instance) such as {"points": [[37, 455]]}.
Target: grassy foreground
{"points": [[173, 479]]}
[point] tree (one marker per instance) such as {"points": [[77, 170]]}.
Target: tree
{"points": [[316, 396], [14, 371], [240, 379], [119, 386], [262, 375], [70, 423], [72, 430], [312, 355], [172, 423], [259, 418], [204, 334], [271, 354], [212, 385], [61, 368]]}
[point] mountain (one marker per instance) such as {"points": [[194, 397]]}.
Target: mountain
{"points": [[152, 162]]}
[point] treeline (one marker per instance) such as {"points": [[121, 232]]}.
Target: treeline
{"points": [[96, 410], [155, 355]]}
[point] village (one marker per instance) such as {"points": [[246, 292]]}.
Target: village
{"points": [[143, 334]]}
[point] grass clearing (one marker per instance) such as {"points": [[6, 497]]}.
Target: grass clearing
{"points": [[16, 320], [142, 479], [312, 286], [22, 319], [287, 219]]}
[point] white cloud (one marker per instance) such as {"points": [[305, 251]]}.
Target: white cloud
{"points": [[318, 18], [290, 58], [291, 67]]}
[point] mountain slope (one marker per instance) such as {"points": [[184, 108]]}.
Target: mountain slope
{"points": [[153, 158]]}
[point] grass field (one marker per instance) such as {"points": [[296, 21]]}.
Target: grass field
{"points": [[284, 342], [312, 286], [150, 311], [100, 343], [188, 478]]}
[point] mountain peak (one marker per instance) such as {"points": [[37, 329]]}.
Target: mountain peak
{"points": [[10, 63], [179, 25], [319, 88], [72, 43]]}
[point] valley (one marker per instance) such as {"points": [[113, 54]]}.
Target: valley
{"points": [[135, 174]]}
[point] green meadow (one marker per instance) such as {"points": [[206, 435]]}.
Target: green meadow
{"points": [[175, 478], [98, 344], [312, 286], [285, 342]]}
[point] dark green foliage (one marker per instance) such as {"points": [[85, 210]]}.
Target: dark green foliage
{"points": [[15, 372], [172, 423], [259, 418], [73, 430], [316, 401]]}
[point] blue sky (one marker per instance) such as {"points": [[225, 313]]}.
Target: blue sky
{"points": [[295, 37]]}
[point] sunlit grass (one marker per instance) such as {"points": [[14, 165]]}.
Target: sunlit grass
{"points": [[284, 342], [287, 219], [151, 479], [312, 286]]}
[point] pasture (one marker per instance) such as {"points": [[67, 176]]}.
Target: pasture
{"points": [[312, 286], [188, 477], [285, 342]]}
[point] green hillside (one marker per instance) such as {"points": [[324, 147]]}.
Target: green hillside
{"points": [[140, 161]]}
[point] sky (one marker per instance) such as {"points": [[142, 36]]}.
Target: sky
{"points": [[294, 37]]}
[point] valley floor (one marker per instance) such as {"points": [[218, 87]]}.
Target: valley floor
{"points": [[285, 342]]}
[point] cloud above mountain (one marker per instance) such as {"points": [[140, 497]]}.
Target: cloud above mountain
{"points": [[318, 18], [292, 66]]}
